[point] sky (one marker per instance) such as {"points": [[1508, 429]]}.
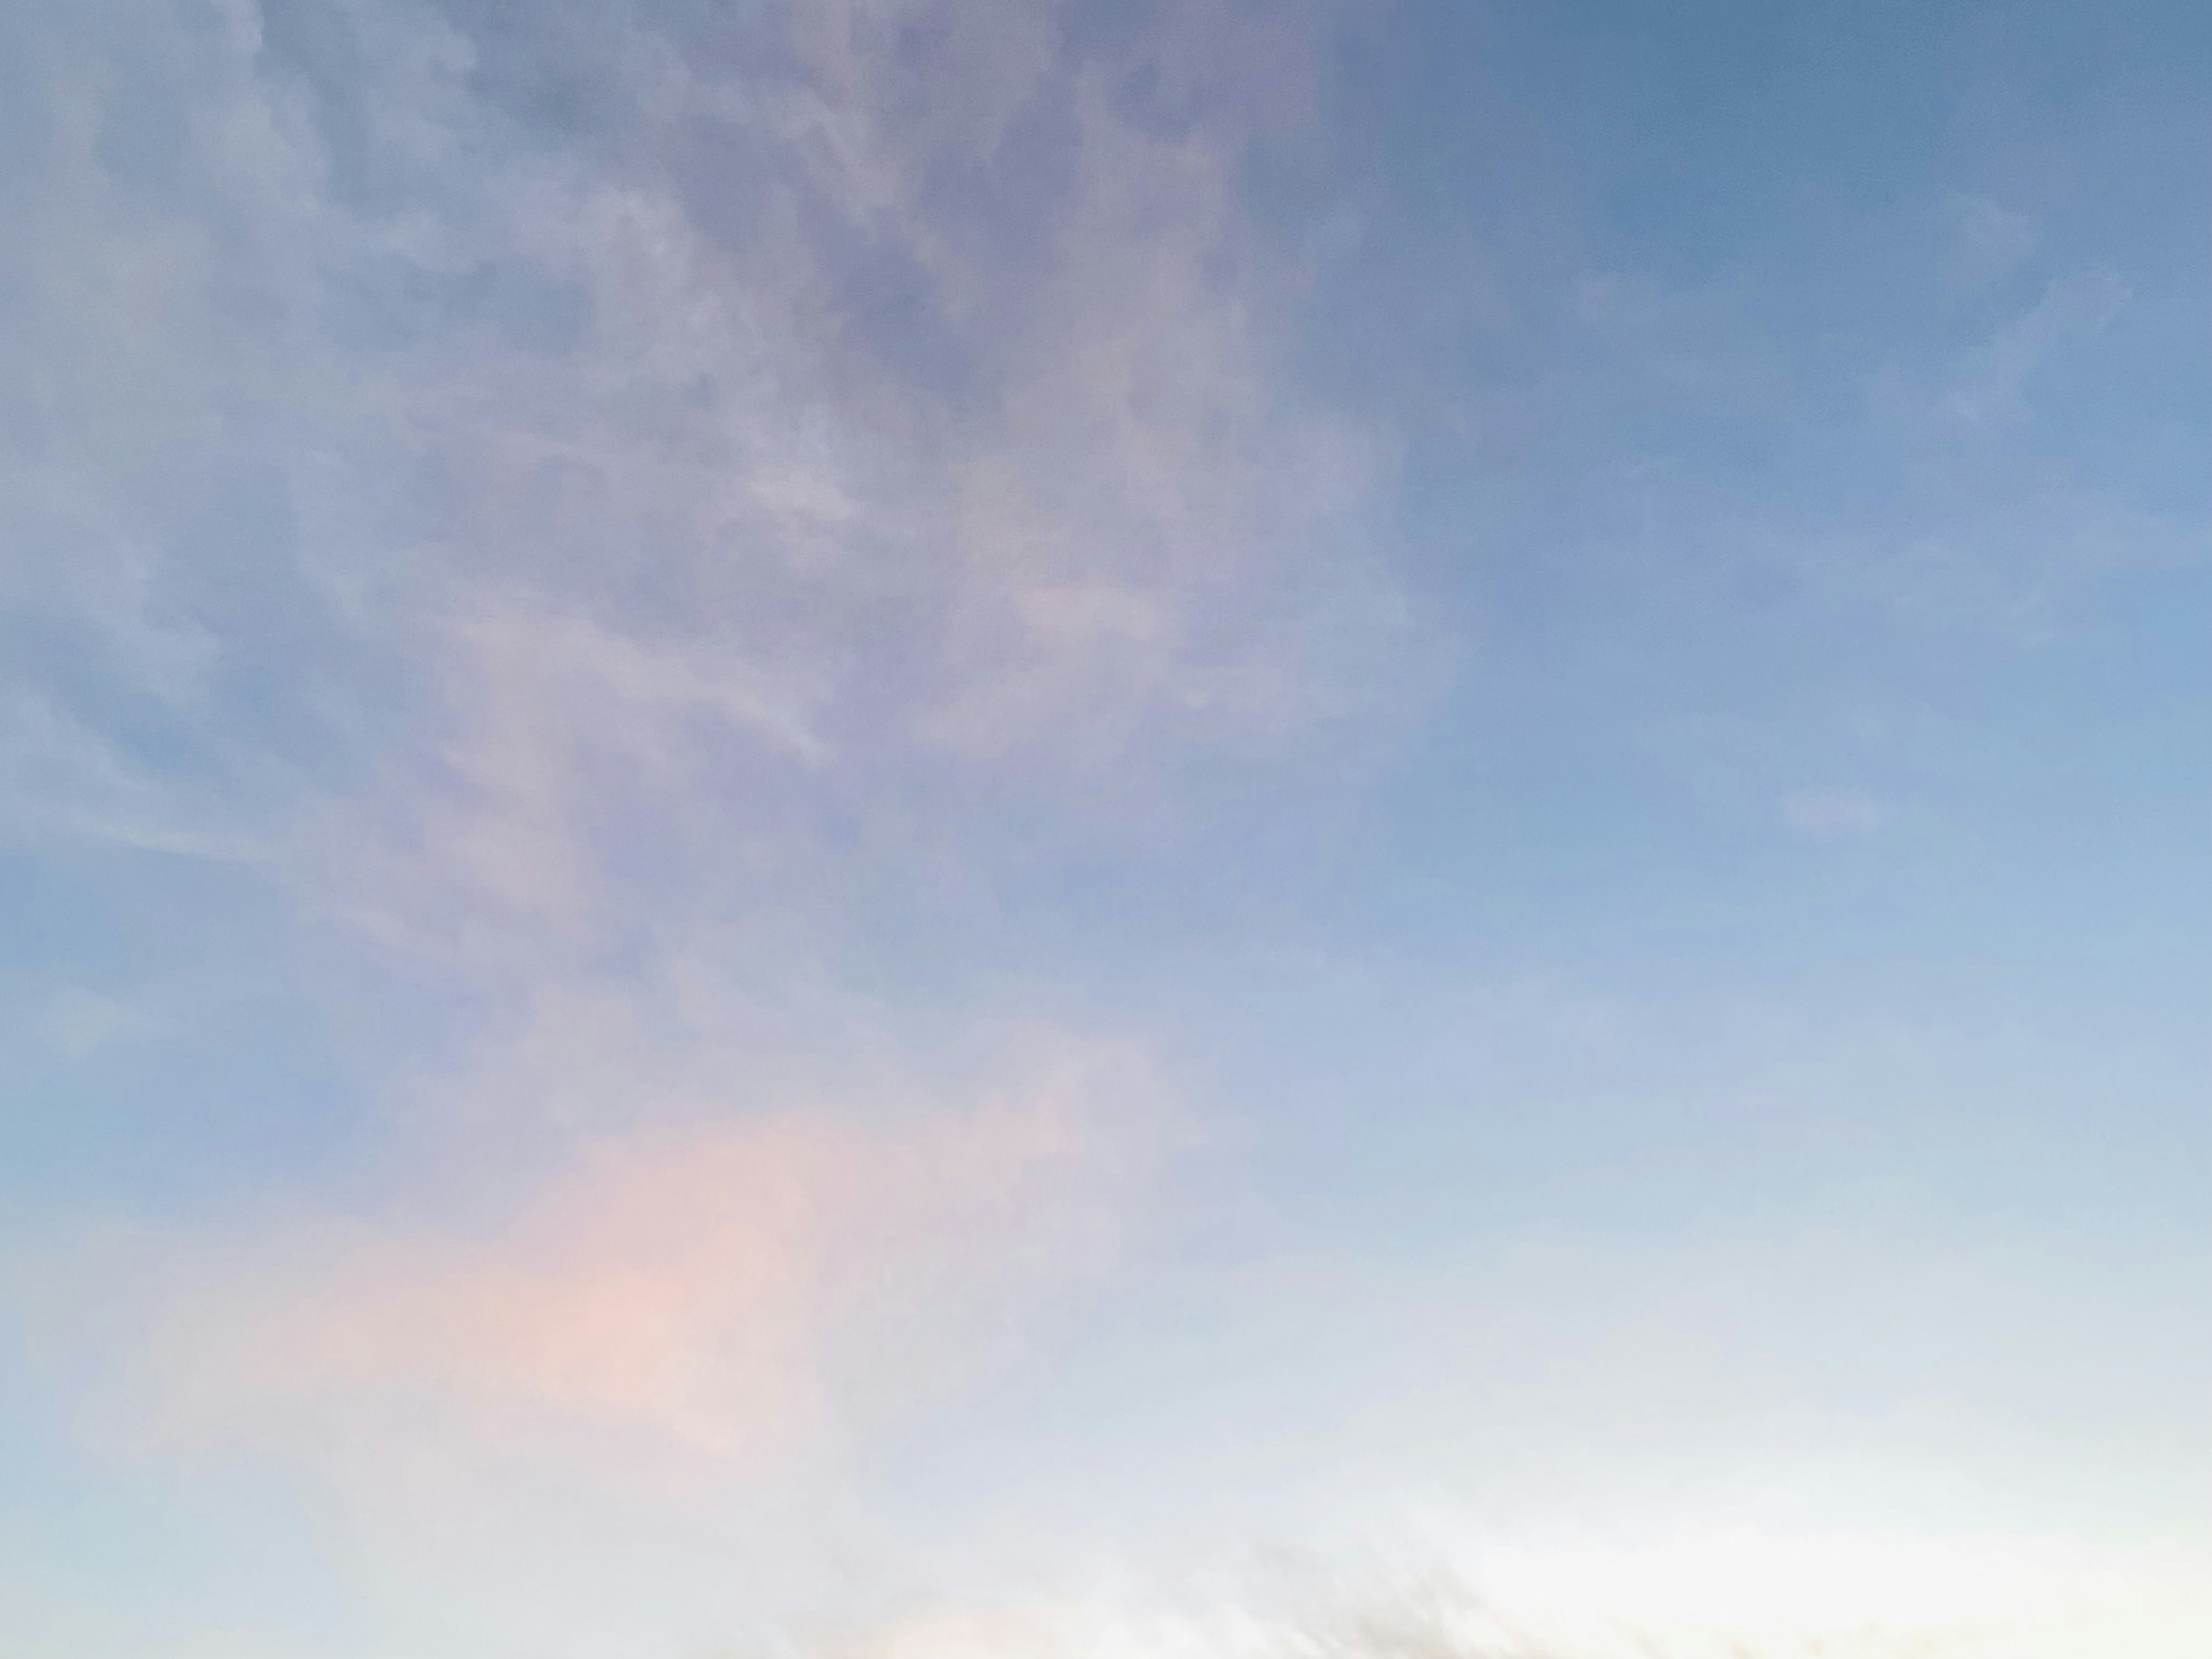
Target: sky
{"points": [[1095, 829]]}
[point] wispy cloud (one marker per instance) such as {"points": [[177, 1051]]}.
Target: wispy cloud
{"points": [[1991, 387], [1827, 814], [1988, 242], [605, 454], [740, 1289], [606, 609], [950, 423]]}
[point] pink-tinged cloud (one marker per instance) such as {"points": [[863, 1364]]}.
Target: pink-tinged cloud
{"points": [[729, 1296]]}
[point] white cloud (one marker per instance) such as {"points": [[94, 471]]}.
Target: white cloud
{"points": [[1438, 1591]]}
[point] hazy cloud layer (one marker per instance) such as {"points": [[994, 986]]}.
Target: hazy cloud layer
{"points": [[569, 502], [679, 1306], [732, 847]]}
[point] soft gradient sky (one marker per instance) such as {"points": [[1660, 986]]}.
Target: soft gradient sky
{"points": [[1105, 831]]}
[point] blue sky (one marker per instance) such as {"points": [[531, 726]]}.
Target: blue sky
{"points": [[881, 829]]}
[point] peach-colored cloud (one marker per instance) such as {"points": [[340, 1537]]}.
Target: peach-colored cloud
{"points": [[731, 1295]]}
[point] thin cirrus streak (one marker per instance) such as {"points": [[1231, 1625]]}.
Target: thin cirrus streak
{"points": [[740, 392]]}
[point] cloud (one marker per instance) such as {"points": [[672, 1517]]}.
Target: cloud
{"points": [[1991, 387], [1988, 242], [582, 506], [1437, 1591], [78, 1022], [902, 380], [676, 1302], [1829, 814]]}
